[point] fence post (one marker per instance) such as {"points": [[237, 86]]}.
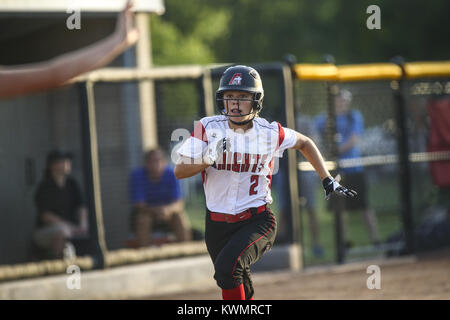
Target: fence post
{"points": [[147, 96], [298, 222], [91, 173], [331, 132], [288, 83], [207, 93], [332, 90], [403, 156]]}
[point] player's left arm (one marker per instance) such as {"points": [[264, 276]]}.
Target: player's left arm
{"points": [[309, 149]]}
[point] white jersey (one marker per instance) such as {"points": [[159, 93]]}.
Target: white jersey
{"points": [[241, 177]]}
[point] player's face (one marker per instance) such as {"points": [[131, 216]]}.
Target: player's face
{"points": [[238, 104]]}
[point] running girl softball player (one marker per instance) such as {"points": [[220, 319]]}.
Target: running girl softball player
{"points": [[235, 154]]}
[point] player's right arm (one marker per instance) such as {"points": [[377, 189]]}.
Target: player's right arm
{"points": [[186, 167], [196, 154]]}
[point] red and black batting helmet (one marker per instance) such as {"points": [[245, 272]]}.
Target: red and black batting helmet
{"points": [[241, 78]]}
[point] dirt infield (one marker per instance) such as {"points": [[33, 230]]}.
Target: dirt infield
{"points": [[419, 277]]}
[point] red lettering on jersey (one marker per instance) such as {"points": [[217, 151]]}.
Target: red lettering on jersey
{"points": [[229, 160], [221, 165], [263, 162], [236, 162], [254, 180], [257, 156], [246, 165], [242, 162]]}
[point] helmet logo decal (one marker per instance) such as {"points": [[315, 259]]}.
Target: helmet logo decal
{"points": [[236, 79]]}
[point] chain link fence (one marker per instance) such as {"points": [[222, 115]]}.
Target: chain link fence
{"points": [[405, 209], [428, 123], [100, 119], [178, 103], [370, 105]]}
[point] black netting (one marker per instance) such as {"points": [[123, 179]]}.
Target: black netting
{"points": [[369, 114], [428, 109], [31, 126]]}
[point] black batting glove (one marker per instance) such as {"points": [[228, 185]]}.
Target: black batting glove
{"points": [[331, 185]]}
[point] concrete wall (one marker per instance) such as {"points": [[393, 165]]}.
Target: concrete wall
{"points": [[24, 134], [118, 283], [142, 280]]}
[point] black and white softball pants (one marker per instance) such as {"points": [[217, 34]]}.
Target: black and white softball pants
{"points": [[234, 247]]}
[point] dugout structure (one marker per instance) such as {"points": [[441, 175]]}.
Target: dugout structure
{"points": [[112, 123]]}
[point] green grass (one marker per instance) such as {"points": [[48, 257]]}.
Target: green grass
{"points": [[195, 209], [388, 223], [383, 198]]}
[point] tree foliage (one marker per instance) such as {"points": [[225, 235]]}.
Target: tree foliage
{"points": [[186, 32], [249, 31]]}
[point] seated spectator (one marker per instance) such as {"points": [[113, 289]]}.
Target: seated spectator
{"points": [[62, 214], [156, 198]]}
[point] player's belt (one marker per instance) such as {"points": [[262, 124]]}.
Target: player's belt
{"points": [[232, 218]]}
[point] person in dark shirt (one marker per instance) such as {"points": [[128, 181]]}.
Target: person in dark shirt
{"points": [[156, 198], [62, 214]]}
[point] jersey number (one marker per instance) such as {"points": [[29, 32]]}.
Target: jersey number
{"points": [[253, 184]]}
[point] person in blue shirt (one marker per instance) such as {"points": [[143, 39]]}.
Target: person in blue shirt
{"points": [[157, 199], [349, 129]]}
